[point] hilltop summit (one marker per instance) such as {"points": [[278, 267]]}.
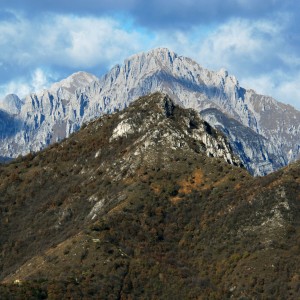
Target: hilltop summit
{"points": [[148, 202]]}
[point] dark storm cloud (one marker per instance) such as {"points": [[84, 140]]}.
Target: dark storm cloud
{"points": [[186, 13], [158, 13]]}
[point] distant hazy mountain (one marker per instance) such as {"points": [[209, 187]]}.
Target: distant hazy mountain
{"points": [[51, 115]]}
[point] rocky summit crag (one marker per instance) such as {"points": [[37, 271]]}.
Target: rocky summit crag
{"points": [[147, 203], [50, 115]]}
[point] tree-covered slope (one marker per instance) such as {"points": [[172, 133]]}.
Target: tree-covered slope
{"points": [[147, 204]]}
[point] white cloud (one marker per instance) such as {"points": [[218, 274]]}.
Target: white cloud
{"points": [[63, 43], [262, 84], [233, 44], [291, 60], [239, 40], [19, 87], [288, 91], [67, 41], [282, 87], [39, 80]]}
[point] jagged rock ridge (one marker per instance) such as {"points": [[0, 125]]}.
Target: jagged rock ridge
{"points": [[254, 150], [54, 114]]}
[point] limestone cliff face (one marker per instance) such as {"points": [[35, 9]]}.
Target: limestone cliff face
{"points": [[51, 115], [168, 127], [257, 154], [45, 117]]}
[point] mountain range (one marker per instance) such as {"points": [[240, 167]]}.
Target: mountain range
{"points": [[263, 133], [150, 202]]}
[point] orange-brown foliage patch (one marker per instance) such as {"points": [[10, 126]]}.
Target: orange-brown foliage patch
{"points": [[189, 184], [175, 199], [156, 188]]}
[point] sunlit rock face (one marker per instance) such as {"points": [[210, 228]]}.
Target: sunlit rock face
{"points": [[51, 115]]}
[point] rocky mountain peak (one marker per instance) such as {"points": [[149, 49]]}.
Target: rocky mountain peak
{"points": [[163, 126], [78, 80], [141, 64], [223, 72], [161, 55], [11, 104], [53, 114]]}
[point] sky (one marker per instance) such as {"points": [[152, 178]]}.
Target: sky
{"points": [[258, 41]]}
